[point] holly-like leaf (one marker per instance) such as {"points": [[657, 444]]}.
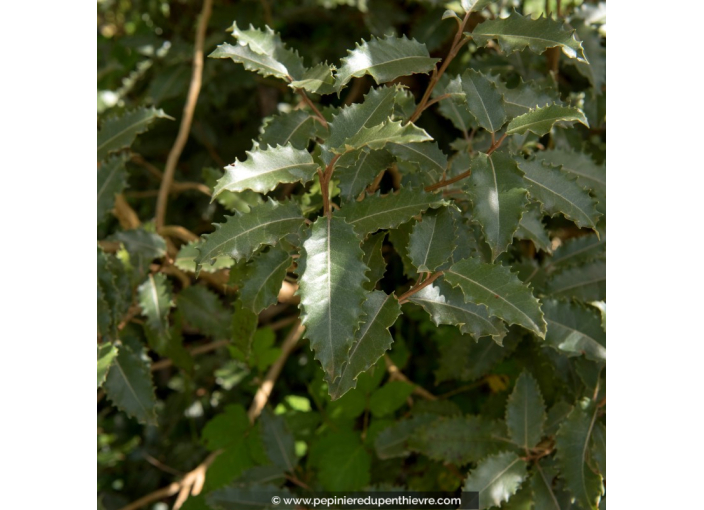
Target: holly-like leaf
{"points": [[187, 255], [385, 60], [330, 285], [278, 441], [446, 305], [453, 108], [575, 329], [142, 246], [244, 327], [106, 354], [428, 156], [265, 276], [155, 301], [498, 194], [242, 234], [465, 359], [264, 169], [595, 71], [202, 309], [518, 32], [531, 228], [559, 193], [572, 444], [589, 175], [317, 80], [432, 240], [374, 259], [119, 132], [295, 128], [494, 286], [357, 169], [587, 282], [484, 100], [370, 342], [526, 96], [129, 385], [376, 137], [541, 120], [525, 412], [392, 442], [578, 250], [496, 478], [112, 179], [376, 212]]}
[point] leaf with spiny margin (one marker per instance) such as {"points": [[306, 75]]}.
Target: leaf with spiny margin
{"points": [[575, 329], [244, 327], [399, 237], [265, 276], [382, 212], [385, 60], [264, 169], [526, 96], [595, 70], [370, 342], [241, 235], [494, 286], [427, 155], [545, 495], [330, 285], [316, 80], [358, 168], [496, 479], [586, 282], [572, 445], [475, 5], [374, 259], [466, 359], [453, 107], [376, 137], [252, 497], [186, 259], [376, 107], [240, 202], [432, 240], [392, 442], [278, 441], [119, 132], [540, 120], [105, 317], [578, 250], [129, 385], [143, 247], [484, 100], [115, 287], [498, 193], [518, 32], [155, 301], [531, 228], [559, 193], [525, 412], [446, 305], [107, 352], [202, 309], [295, 128], [589, 174], [458, 440], [251, 60], [112, 179]]}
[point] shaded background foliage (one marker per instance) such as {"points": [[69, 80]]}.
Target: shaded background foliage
{"points": [[145, 50]]}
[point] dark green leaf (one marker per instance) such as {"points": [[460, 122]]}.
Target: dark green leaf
{"points": [[484, 100], [496, 478], [119, 132], [112, 179], [541, 120], [525, 412], [278, 441], [129, 385], [432, 240], [575, 329]]}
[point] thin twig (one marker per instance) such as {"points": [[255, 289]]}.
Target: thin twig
{"points": [[397, 375], [187, 119], [310, 103], [404, 297], [443, 183]]}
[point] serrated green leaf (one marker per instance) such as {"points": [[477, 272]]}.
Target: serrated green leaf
{"points": [[225, 428], [498, 194], [119, 132], [577, 251], [494, 286], [155, 301], [389, 398], [186, 259], [465, 359], [575, 329], [105, 317], [242, 234], [253, 497], [588, 174], [427, 155], [317, 80], [202, 309], [278, 441], [545, 494], [453, 108], [484, 100], [357, 169], [586, 282], [374, 259], [106, 354], [385, 60], [112, 179], [252, 61], [244, 328], [129, 385], [344, 465], [595, 70], [376, 212], [264, 169], [458, 440], [115, 289], [525, 412], [526, 96], [518, 32], [330, 285], [446, 305], [228, 465], [496, 478], [376, 137], [572, 445], [295, 128], [432, 240], [142, 246], [399, 238], [531, 228], [265, 276], [392, 442], [541, 120], [559, 193]]}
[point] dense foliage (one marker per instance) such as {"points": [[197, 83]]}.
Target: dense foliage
{"points": [[402, 267]]}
